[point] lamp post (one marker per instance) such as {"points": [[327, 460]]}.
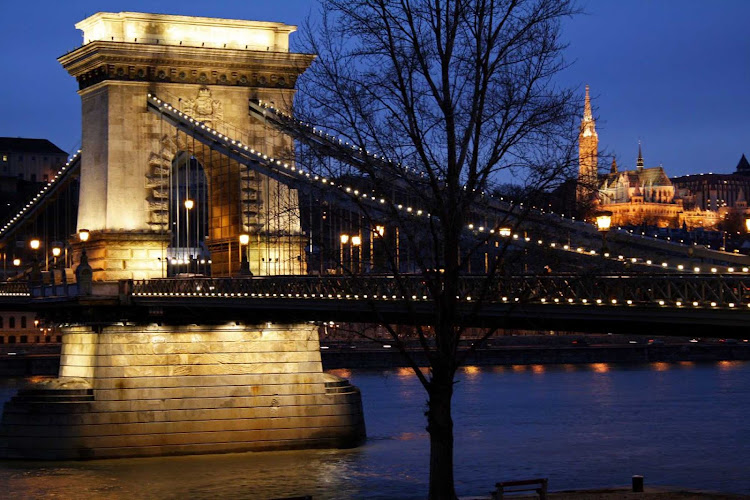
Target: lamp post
{"points": [[56, 251], [603, 223], [35, 276], [17, 264], [244, 261], [188, 257], [378, 232], [356, 242], [344, 240]]}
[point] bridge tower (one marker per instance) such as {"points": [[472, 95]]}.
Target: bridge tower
{"points": [[137, 381], [588, 143], [210, 68]]}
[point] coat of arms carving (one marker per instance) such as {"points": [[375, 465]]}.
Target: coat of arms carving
{"points": [[204, 108]]}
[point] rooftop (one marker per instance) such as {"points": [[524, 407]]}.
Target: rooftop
{"points": [[24, 145]]}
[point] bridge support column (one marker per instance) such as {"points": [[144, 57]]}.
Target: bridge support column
{"points": [[152, 390], [117, 255]]}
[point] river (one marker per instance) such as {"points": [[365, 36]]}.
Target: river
{"points": [[681, 424]]}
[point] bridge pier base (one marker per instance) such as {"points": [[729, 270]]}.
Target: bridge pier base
{"points": [[152, 390]]}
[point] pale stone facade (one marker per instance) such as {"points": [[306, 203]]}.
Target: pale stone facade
{"points": [[135, 389], [161, 390], [123, 143]]}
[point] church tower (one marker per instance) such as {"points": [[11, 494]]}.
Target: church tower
{"points": [[588, 142]]}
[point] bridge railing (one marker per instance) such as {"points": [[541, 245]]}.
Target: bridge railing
{"points": [[14, 289], [654, 290]]}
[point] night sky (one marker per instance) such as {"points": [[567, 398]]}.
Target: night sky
{"points": [[674, 74]]}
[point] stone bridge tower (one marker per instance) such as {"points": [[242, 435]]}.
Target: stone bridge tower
{"points": [[209, 68]]}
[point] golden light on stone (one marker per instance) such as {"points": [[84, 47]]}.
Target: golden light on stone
{"points": [[747, 223], [83, 235], [35, 244], [244, 239]]}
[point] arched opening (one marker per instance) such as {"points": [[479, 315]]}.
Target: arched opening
{"points": [[188, 218]]}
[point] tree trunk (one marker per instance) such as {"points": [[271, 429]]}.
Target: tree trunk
{"points": [[440, 428]]}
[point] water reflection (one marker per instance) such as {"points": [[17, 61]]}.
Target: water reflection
{"points": [[730, 365], [581, 426]]}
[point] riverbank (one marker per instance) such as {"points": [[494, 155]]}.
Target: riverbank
{"points": [[648, 494], [369, 355], [34, 360]]}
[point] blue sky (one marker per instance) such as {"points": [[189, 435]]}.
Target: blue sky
{"points": [[674, 74]]}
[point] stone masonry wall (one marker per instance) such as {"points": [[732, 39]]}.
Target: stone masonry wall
{"points": [[161, 390]]}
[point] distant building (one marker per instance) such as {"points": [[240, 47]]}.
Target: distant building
{"points": [[716, 191], [35, 160], [643, 195], [22, 328], [649, 196]]}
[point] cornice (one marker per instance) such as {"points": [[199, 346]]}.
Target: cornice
{"points": [[102, 60]]}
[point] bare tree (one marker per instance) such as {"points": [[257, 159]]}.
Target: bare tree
{"points": [[439, 103]]}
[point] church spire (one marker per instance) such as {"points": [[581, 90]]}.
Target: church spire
{"points": [[639, 163], [588, 151], [613, 169], [587, 116]]}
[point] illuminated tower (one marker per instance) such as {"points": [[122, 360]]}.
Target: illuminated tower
{"points": [[588, 143]]}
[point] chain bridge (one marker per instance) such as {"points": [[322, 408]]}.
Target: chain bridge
{"points": [[185, 256]]}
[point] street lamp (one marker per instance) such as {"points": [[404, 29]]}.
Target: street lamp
{"points": [[56, 252], [378, 232], [244, 262], [504, 231], [188, 205], [344, 240], [356, 242], [83, 235], [603, 223], [36, 275]]}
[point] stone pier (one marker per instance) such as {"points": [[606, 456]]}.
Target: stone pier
{"points": [[151, 390]]}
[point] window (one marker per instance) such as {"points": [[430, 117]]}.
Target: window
{"points": [[12, 339], [58, 338], [2, 339], [33, 177], [2, 320], [23, 321], [24, 339], [12, 322], [5, 158], [37, 339]]}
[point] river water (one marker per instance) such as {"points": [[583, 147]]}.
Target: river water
{"points": [[681, 424]]}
